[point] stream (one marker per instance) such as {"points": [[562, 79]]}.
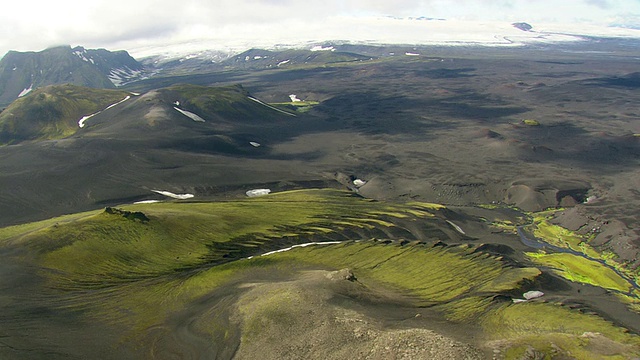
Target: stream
{"points": [[536, 243]]}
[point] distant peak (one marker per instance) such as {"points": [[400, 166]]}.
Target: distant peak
{"points": [[522, 26]]}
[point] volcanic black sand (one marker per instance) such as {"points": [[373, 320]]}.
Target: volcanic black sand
{"points": [[447, 127]]}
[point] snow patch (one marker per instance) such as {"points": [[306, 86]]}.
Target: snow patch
{"points": [[26, 91], [294, 98], [147, 202], [118, 103], [359, 182], [254, 144], [81, 55], [189, 114], [458, 228], [298, 246], [172, 195], [269, 106], [258, 192], [320, 48], [529, 295], [85, 118], [411, 54], [125, 75], [283, 62]]}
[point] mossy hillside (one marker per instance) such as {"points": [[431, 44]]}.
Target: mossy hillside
{"points": [[53, 112], [554, 330], [140, 271], [145, 271], [418, 268], [463, 284], [15, 234], [107, 249]]}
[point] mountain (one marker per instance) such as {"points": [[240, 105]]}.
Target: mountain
{"points": [[21, 72], [522, 26], [258, 58], [253, 59]]}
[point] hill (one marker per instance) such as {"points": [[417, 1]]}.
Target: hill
{"points": [[260, 277], [22, 72], [59, 111], [53, 112]]}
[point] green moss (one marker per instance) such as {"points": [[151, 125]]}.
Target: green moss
{"points": [[579, 269], [539, 325], [426, 206], [53, 112], [531, 122], [298, 106], [418, 268], [560, 237], [137, 274], [504, 225]]}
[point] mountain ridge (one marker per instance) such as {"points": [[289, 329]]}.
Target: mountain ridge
{"points": [[22, 72]]}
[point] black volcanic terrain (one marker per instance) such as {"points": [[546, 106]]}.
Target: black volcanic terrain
{"points": [[447, 126], [490, 133]]}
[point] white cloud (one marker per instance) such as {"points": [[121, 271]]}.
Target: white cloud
{"points": [[115, 24]]}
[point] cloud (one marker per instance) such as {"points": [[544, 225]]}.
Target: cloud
{"points": [[603, 4], [35, 25]]}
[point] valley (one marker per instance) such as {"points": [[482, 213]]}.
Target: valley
{"points": [[483, 173]]}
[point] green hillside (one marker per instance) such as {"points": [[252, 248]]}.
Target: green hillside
{"points": [[53, 112], [137, 267]]}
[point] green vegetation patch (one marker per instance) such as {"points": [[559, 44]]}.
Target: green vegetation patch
{"points": [[560, 237], [136, 266], [578, 269], [53, 112], [553, 329], [531, 122], [137, 242], [463, 284], [432, 274], [301, 106]]}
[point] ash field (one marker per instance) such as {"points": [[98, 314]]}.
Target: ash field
{"points": [[424, 202]]}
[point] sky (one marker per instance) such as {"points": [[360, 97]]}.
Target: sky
{"points": [[145, 26]]}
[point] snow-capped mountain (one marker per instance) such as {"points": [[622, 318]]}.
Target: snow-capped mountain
{"points": [[22, 72]]}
